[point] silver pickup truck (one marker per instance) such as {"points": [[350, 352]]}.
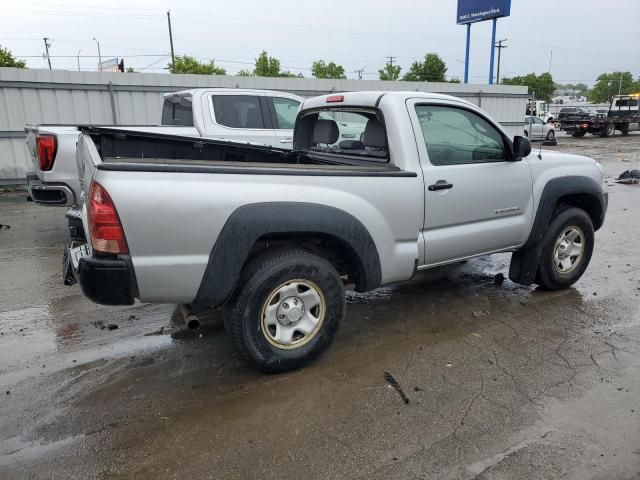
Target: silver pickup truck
{"points": [[256, 116], [275, 236]]}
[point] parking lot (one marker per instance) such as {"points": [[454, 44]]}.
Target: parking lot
{"points": [[503, 381]]}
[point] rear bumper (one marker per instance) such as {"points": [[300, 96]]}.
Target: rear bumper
{"points": [[56, 194], [107, 281]]}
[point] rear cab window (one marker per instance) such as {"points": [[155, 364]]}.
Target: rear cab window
{"points": [[343, 131], [178, 110], [238, 111]]}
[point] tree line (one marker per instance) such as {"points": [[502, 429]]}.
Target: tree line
{"points": [[431, 69], [607, 85]]}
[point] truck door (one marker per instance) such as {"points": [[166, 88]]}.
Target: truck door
{"points": [[477, 200], [239, 118], [284, 111]]}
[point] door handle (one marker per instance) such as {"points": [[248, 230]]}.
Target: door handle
{"points": [[440, 185]]}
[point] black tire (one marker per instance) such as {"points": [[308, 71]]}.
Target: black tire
{"points": [[624, 130], [526, 134], [549, 275], [608, 130], [578, 134], [551, 134], [260, 279]]}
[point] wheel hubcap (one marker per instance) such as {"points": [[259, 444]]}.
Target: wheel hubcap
{"points": [[293, 314], [569, 250]]}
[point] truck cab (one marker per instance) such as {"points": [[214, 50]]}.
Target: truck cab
{"points": [[624, 112]]}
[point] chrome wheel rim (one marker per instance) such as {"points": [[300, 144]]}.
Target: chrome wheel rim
{"points": [[293, 314], [568, 250], [551, 135]]}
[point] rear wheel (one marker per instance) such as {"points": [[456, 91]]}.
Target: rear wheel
{"points": [[566, 249], [287, 309], [578, 134], [625, 130], [551, 135], [608, 130]]}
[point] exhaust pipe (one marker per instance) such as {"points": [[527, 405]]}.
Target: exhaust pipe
{"points": [[190, 318]]}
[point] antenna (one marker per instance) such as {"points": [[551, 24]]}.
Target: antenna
{"points": [[531, 129]]}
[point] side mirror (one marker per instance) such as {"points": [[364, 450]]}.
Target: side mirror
{"points": [[521, 147]]}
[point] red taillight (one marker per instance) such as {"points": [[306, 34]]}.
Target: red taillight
{"points": [[107, 235], [46, 148], [335, 99], [585, 126]]}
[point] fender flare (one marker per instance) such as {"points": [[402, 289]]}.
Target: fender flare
{"points": [[525, 261], [250, 222]]}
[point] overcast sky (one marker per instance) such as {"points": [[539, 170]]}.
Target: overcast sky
{"points": [[585, 37]]}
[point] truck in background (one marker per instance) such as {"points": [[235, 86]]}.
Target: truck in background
{"points": [[253, 116], [623, 115]]}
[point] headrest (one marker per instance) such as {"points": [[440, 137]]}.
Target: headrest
{"points": [[374, 135], [325, 131]]}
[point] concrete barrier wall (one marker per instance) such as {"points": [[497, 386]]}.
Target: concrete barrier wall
{"points": [[42, 96]]}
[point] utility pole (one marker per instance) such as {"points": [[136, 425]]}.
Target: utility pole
{"points": [[99, 55], [620, 87], [173, 56], [46, 47], [550, 60], [390, 59], [79, 59], [361, 72], [499, 46]]}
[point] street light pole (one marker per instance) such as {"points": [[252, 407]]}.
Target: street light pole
{"points": [[99, 55], [79, 59]]}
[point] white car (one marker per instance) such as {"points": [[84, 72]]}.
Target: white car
{"points": [[536, 129]]}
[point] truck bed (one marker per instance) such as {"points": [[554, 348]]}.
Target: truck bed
{"points": [[129, 150]]}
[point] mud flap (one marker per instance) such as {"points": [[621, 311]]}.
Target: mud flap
{"points": [[524, 265], [68, 274]]}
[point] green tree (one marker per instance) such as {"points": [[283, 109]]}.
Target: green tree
{"points": [[187, 64], [390, 72], [244, 73], [289, 74], [320, 69], [542, 85], [433, 69], [8, 60], [609, 84], [454, 80], [267, 66]]}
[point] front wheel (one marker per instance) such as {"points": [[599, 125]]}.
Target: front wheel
{"points": [[551, 135], [287, 309], [566, 249]]}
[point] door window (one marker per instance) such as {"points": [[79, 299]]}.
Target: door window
{"points": [[238, 111], [455, 136], [286, 111]]}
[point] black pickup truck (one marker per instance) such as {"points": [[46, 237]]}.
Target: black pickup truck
{"points": [[623, 115]]}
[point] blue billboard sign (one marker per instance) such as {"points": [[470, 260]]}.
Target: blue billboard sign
{"points": [[471, 11]]}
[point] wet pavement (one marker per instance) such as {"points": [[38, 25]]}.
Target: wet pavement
{"points": [[503, 382]]}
